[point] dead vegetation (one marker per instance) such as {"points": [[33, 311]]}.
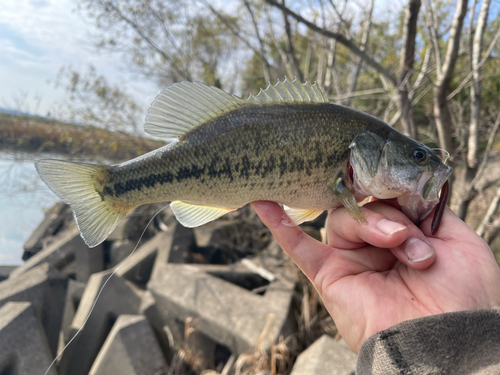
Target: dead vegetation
{"points": [[31, 134], [313, 320]]}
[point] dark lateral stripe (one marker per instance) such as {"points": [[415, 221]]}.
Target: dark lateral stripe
{"points": [[220, 167], [216, 169], [121, 188]]}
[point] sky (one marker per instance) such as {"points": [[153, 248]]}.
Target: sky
{"points": [[37, 38]]}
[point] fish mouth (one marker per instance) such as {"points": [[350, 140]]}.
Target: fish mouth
{"points": [[418, 205], [433, 185]]}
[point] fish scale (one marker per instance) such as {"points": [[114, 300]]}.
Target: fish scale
{"points": [[287, 144], [226, 155]]}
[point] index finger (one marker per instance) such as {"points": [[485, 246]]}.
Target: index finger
{"points": [[389, 228], [307, 253]]}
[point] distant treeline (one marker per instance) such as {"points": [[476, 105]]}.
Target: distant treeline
{"points": [[31, 134]]}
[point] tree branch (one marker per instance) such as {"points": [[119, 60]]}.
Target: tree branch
{"points": [[152, 45], [237, 34], [489, 146], [475, 90], [358, 93], [430, 22], [289, 45], [406, 67], [364, 43], [489, 214], [469, 76], [422, 74], [453, 45], [267, 73], [341, 39]]}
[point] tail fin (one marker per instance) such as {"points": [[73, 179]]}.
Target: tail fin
{"points": [[79, 184]]}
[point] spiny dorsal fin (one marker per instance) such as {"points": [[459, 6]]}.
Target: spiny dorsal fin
{"points": [[185, 105], [290, 92]]}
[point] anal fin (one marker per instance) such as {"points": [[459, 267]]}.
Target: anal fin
{"points": [[300, 215], [192, 216]]}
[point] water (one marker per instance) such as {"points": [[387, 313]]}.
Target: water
{"points": [[23, 200]]}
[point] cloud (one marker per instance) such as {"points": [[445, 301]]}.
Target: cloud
{"points": [[40, 3], [38, 37], [17, 39]]}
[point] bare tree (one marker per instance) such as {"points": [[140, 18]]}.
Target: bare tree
{"points": [[399, 83], [475, 89], [364, 44], [266, 67], [406, 67], [469, 190], [444, 71], [290, 47]]}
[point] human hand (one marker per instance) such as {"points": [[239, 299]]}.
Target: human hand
{"points": [[375, 276]]}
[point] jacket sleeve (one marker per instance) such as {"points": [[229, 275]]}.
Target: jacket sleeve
{"points": [[465, 342]]}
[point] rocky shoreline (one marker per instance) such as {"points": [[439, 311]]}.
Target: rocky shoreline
{"points": [[219, 299]]}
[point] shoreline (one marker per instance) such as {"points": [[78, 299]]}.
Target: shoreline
{"points": [[37, 135]]}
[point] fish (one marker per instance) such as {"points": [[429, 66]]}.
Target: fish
{"points": [[288, 144]]}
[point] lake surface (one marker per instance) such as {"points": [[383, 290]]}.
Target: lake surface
{"points": [[23, 200]]}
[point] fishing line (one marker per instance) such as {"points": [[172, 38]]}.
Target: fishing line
{"points": [[447, 153], [100, 291]]}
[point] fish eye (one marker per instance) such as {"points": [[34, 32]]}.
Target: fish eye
{"points": [[420, 156]]}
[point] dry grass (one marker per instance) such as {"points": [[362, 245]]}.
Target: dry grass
{"points": [[186, 360], [277, 360]]}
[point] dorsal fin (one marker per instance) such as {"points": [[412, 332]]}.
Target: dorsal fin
{"points": [[185, 105], [290, 92]]}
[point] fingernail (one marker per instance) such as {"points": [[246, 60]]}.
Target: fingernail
{"points": [[390, 227], [417, 250]]}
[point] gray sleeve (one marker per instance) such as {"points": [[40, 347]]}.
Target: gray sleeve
{"points": [[465, 342]]}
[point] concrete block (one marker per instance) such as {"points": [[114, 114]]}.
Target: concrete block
{"points": [[183, 244], [326, 356], [233, 237], [119, 251], [149, 309], [217, 297], [73, 297], [5, 271], [175, 245], [23, 345], [54, 220], [118, 297], [88, 261], [45, 288], [139, 266], [58, 254], [132, 227], [130, 349], [205, 232]]}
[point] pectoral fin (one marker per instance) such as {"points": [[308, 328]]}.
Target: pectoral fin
{"points": [[192, 216], [299, 215], [349, 201]]}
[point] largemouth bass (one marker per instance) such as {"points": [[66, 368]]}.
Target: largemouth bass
{"points": [[287, 144]]}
